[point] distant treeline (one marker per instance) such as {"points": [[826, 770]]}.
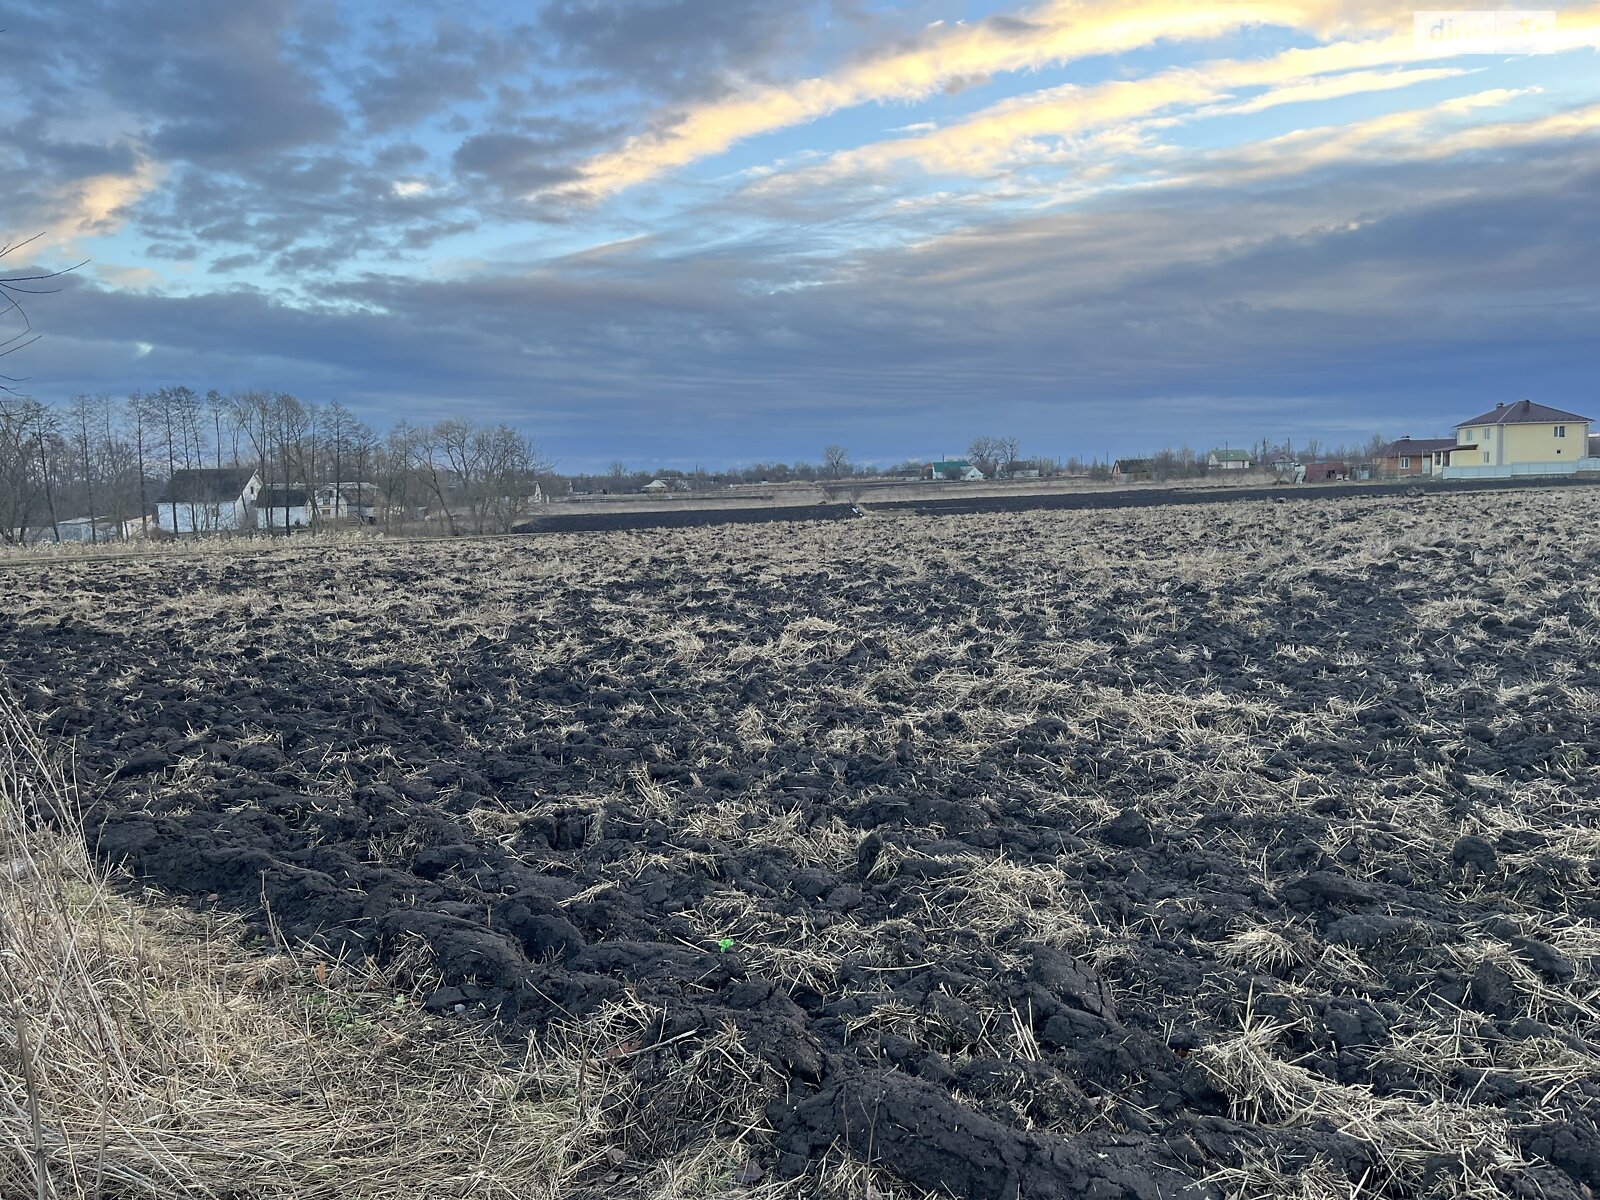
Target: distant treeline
{"points": [[996, 457], [110, 458]]}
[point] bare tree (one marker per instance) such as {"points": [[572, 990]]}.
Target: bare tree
{"points": [[984, 453], [359, 452], [396, 471], [46, 433], [292, 425], [19, 475], [123, 474], [219, 407], [513, 468], [12, 289], [139, 409], [994, 456], [252, 412], [169, 420], [492, 471], [82, 420], [835, 460], [1007, 451], [429, 460], [337, 424]]}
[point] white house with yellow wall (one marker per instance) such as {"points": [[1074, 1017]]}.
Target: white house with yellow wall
{"points": [[1523, 438]]}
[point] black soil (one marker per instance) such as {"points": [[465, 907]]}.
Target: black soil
{"points": [[669, 517], [948, 500], [978, 832]]}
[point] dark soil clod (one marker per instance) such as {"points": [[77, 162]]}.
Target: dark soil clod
{"points": [[1026, 856]]}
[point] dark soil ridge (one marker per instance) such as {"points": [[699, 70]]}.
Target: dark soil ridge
{"points": [[1161, 497], [945, 505], [565, 805], [682, 518]]}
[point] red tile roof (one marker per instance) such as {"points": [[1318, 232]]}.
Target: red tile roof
{"points": [[1523, 412]]}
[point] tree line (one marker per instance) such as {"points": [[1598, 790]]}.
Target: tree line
{"points": [[111, 458], [995, 456]]}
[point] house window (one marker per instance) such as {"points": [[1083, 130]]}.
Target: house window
{"points": [[1405, 463], [1485, 456], [1561, 431]]}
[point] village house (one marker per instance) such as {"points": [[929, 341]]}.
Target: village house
{"points": [[1523, 438], [279, 509], [958, 469], [1324, 472], [524, 495], [208, 500], [86, 529], [1410, 456], [83, 529], [1132, 470], [657, 487], [1229, 460], [102, 529], [346, 500], [357, 500]]}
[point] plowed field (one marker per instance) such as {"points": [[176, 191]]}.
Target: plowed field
{"points": [[1241, 850]]}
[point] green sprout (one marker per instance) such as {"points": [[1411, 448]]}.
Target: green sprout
{"points": [[724, 945]]}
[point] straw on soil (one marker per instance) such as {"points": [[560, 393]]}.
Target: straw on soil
{"points": [[147, 1050]]}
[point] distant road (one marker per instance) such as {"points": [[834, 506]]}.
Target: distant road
{"points": [[683, 518], [945, 504]]}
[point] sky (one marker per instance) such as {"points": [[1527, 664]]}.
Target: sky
{"points": [[711, 232]]}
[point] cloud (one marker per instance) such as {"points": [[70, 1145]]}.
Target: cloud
{"points": [[1058, 32], [219, 84], [1029, 128], [126, 277], [683, 48], [1407, 135], [1072, 261], [518, 163], [251, 133], [1410, 285], [408, 79], [96, 204]]}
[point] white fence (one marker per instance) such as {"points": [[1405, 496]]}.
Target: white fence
{"points": [[1520, 470]]}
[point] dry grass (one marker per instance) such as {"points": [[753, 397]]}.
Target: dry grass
{"points": [[147, 1051], [1406, 1134]]}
